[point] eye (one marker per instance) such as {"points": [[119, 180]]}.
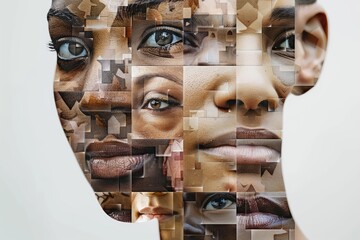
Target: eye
{"points": [[72, 53], [161, 37], [284, 45], [71, 48], [159, 102], [219, 201], [166, 42]]}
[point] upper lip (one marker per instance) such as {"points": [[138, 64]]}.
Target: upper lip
{"points": [[156, 211], [241, 134], [263, 204], [112, 158], [245, 133], [115, 148]]}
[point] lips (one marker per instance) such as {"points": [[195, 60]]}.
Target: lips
{"points": [[246, 154], [160, 213], [256, 146], [244, 133], [259, 212], [112, 159], [120, 215]]}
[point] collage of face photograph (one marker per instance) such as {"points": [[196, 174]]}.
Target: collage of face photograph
{"points": [[172, 114]]}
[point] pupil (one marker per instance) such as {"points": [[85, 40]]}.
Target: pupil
{"points": [[218, 203], [291, 41], [75, 49], [163, 38], [155, 104]]}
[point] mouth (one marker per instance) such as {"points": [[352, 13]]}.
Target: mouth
{"points": [[246, 146], [112, 158], [119, 215], [260, 212], [148, 213], [245, 154]]}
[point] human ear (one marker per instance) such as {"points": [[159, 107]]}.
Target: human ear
{"points": [[311, 28]]}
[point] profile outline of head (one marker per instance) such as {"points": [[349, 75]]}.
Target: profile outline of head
{"points": [[174, 108]]}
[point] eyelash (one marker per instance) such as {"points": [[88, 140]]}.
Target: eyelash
{"points": [[178, 38], [171, 103], [51, 46], [288, 53], [71, 61]]}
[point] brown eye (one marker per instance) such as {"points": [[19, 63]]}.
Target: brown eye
{"points": [[155, 104], [160, 103]]}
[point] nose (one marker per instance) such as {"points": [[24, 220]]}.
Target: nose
{"points": [[252, 89]]}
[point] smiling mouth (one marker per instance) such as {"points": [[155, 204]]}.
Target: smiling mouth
{"points": [[112, 159], [258, 212]]}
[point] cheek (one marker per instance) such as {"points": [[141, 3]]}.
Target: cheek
{"points": [[194, 94], [158, 125]]}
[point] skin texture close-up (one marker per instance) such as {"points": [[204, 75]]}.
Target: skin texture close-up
{"points": [[174, 108]]}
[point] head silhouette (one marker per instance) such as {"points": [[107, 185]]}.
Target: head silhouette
{"points": [[174, 108]]}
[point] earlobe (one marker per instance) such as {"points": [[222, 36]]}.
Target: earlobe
{"points": [[311, 42]]}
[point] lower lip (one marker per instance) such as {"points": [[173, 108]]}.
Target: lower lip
{"points": [[148, 217], [120, 215], [259, 220], [245, 154], [117, 166]]}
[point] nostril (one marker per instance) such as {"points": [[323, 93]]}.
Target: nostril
{"points": [[234, 103], [231, 103]]}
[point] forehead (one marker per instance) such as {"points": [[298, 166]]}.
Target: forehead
{"points": [[82, 8]]}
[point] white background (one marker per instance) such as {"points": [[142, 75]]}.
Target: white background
{"points": [[43, 195]]}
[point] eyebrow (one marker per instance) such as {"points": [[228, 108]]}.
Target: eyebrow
{"points": [[139, 6], [65, 15], [165, 75], [282, 13]]}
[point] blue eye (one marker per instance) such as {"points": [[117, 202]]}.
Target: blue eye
{"points": [[163, 37], [71, 49], [219, 201]]}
